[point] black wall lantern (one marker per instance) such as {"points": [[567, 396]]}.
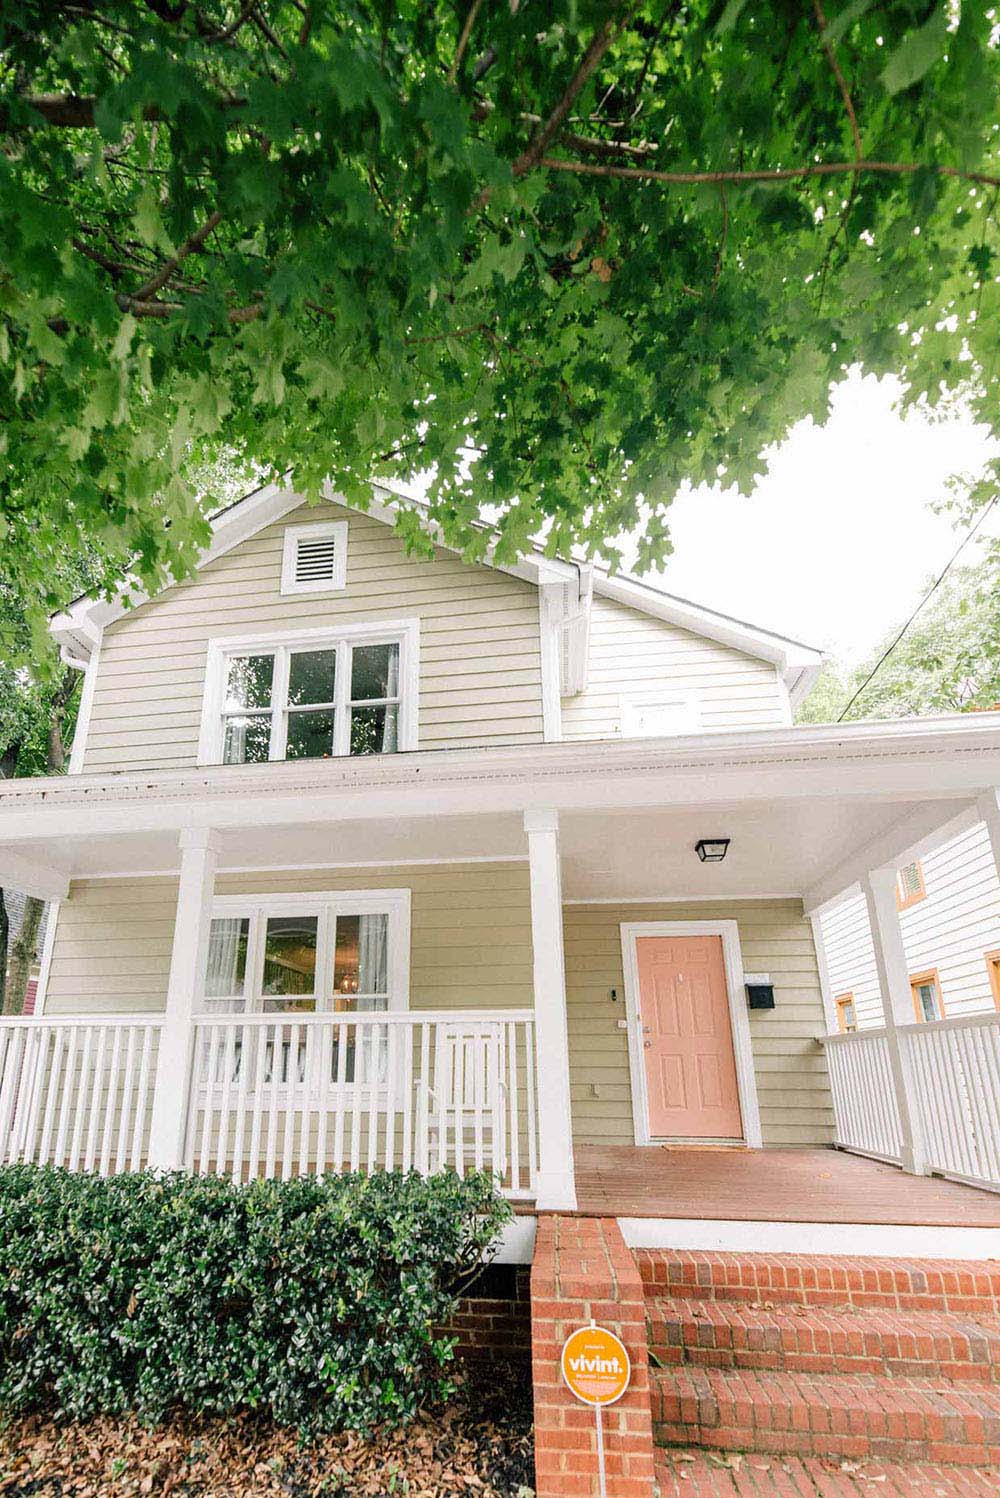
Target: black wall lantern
{"points": [[712, 849]]}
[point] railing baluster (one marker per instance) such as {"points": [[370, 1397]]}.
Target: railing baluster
{"points": [[340, 1096], [111, 1104], [128, 1102], [140, 1130]]}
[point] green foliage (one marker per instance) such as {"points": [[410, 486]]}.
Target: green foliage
{"points": [[315, 1300], [948, 661], [333, 239]]}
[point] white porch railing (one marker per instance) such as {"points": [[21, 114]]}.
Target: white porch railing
{"points": [[281, 1095], [954, 1066], [312, 1093], [77, 1091]]}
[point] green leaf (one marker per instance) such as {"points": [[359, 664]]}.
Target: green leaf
{"points": [[149, 223], [734, 9], [917, 52], [842, 23]]}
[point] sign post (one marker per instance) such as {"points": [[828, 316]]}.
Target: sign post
{"points": [[596, 1370]]}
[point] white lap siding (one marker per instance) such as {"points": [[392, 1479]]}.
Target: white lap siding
{"points": [[951, 930], [638, 659]]}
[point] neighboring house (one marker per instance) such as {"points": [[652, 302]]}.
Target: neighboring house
{"points": [[367, 859], [949, 904]]}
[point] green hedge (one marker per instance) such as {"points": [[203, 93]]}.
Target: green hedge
{"points": [[314, 1299]]}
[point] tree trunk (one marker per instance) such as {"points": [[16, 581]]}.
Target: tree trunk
{"points": [[23, 953]]}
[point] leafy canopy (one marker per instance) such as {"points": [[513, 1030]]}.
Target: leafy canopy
{"points": [[948, 661], [563, 256]]}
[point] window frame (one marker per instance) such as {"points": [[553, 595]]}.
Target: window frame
{"points": [[631, 710], [840, 1003], [314, 530], [992, 959], [927, 976], [282, 644], [326, 905], [903, 900]]}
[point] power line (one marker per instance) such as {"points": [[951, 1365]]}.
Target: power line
{"points": [[923, 602]]}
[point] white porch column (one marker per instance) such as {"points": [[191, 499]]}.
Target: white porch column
{"points": [[879, 887], [188, 961], [556, 1186]]}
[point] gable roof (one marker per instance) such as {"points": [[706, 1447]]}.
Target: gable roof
{"points": [[78, 627]]}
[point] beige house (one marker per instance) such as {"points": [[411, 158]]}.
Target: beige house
{"points": [[368, 860]]}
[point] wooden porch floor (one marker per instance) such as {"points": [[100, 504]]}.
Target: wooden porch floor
{"points": [[771, 1185]]}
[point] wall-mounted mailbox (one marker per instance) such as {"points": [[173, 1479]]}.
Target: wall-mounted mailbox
{"points": [[760, 990]]}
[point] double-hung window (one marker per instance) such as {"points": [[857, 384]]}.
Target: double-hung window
{"points": [[311, 697]]}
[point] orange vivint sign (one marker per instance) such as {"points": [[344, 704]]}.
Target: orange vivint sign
{"points": [[595, 1365]]}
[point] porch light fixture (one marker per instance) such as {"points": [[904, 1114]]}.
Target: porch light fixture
{"points": [[712, 849]]}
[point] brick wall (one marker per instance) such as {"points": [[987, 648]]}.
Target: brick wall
{"points": [[583, 1269], [494, 1319]]}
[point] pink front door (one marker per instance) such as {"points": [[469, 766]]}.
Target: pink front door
{"points": [[687, 1038]]}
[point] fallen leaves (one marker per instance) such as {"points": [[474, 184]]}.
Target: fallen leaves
{"points": [[478, 1445]]}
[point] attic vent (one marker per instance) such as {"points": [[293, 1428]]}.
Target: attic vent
{"points": [[315, 558]]}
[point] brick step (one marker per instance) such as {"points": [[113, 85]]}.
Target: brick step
{"points": [[819, 1339], [964, 1286], [703, 1474], [854, 1416]]}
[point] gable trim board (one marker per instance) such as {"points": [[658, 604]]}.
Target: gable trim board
{"points": [[77, 627], [728, 931]]}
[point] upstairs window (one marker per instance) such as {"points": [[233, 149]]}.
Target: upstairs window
{"points": [[847, 1015], [314, 558], [928, 1004], [311, 698], [661, 717], [910, 887]]}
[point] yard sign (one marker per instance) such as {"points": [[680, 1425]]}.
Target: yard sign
{"points": [[596, 1369]]}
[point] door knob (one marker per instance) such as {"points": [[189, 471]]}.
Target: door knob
{"points": [[647, 1045]]}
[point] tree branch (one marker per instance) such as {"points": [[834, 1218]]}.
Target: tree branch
{"points": [[773, 174], [600, 42], [845, 92], [197, 239], [463, 40]]}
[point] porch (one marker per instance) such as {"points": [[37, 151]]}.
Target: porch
{"points": [[505, 1026]]}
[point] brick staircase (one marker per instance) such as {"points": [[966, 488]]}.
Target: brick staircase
{"points": [[854, 1360]]}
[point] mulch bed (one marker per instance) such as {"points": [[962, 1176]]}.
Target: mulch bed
{"points": [[479, 1444]]}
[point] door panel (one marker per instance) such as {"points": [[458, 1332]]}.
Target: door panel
{"points": [[688, 1055]]}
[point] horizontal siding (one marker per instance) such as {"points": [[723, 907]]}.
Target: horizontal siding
{"points": [[951, 930], [790, 1068], [480, 660], [470, 935], [635, 658]]}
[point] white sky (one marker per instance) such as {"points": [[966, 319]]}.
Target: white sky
{"points": [[838, 541]]}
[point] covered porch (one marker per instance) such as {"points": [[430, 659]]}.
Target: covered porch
{"points": [[505, 1029]]}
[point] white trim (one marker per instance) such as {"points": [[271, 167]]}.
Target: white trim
{"points": [[45, 961], [550, 644], [32, 877], [225, 869], [666, 900], [823, 969], [718, 1235], [78, 750], [517, 1241], [326, 905], [315, 530], [404, 632], [746, 1081]]}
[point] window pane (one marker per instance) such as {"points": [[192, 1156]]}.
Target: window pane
{"points": [[247, 740], [927, 995], [312, 677], [361, 962], [374, 730], [310, 735], [227, 959], [374, 672], [248, 682], [290, 957]]}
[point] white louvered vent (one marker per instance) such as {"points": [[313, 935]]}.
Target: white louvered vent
{"points": [[315, 561], [315, 558]]}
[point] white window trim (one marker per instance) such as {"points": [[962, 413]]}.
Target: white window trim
{"points": [[746, 1080], [317, 530], [326, 905], [404, 632], [632, 707]]}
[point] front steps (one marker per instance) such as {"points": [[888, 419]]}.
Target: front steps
{"points": [[825, 1358]]}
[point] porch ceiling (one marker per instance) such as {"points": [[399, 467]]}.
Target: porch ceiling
{"points": [[778, 848]]}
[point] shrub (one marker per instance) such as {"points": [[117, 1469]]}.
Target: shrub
{"points": [[314, 1299]]}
